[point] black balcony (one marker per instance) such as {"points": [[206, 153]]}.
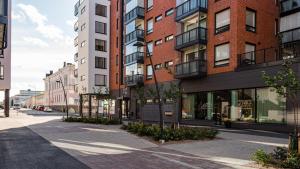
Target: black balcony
{"points": [[137, 57], [76, 8], [137, 35], [195, 68], [289, 6], [190, 7], [134, 80], [192, 37], [136, 13], [290, 36]]}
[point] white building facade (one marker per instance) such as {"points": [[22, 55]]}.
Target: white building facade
{"points": [[92, 44], [54, 93]]}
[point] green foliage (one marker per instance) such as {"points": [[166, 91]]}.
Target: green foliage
{"points": [[104, 121], [285, 82], [170, 134], [280, 158], [173, 92]]}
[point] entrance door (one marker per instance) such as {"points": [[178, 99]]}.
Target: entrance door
{"points": [[221, 106]]}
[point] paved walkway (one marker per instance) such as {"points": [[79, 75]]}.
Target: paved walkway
{"points": [[109, 147]]}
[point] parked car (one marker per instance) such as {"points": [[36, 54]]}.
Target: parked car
{"points": [[16, 106], [41, 108], [47, 109]]}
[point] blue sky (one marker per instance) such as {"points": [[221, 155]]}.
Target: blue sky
{"points": [[42, 39]]}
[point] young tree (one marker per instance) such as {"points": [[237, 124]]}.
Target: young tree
{"points": [[286, 83]]}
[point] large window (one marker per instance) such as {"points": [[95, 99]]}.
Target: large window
{"points": [[222, 54], [150, 26], [100, 80], [222, 21], [101, 10], [250, 20], [149, 72], [100, 45], [100, 27], [100, 62]]}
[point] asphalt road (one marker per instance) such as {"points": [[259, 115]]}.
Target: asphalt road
{"points": [[21, 148]]}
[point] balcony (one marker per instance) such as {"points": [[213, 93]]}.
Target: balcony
{"points": [[289, 7], [134, 80], [76, 57], [137, 57], [290, 36], [76, 8], [195, 68], [76, 26], [136, 13], [76, 41], [137, 35], [192, 37], [190, 7]]}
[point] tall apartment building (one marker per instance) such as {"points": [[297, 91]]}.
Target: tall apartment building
{"points": [[5, 51], [213, 50], [54, 94], [93, 44]]}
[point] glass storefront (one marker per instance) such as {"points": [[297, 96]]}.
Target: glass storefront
{"points": [[262, 105]]}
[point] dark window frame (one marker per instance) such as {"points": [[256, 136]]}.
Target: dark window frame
{"points": [[100, 62], [105, 80], [215, 52], [248, 27], [105, 28], [224, 28]]}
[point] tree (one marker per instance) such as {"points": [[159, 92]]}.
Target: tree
{"points": [[287, 85]]}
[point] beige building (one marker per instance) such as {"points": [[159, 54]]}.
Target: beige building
{"points": [[54, 93], [38, 100]]}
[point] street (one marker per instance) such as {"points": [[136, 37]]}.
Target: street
{"points": [[31, 139]]}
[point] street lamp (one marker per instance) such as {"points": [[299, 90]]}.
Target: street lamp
{"points": [[61, 82]]}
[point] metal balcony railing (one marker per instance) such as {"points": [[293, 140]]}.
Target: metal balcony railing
{"points": [[190, 7], [195, 68], [137, 35], [192, 37], [288, 6], [134, 80], [137, 57], [76, 8], [137, 12], [290, 35]]}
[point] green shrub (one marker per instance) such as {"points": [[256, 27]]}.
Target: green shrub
{"points": [[261, 157], [292, 161], [184, 133], [104, 121]]}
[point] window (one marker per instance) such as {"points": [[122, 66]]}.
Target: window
{"points": [[149, 4], [222, 54], [100, 45], [100, 63], [100, 80], [83, 10], [101, 10], [158, 18], [149, 26], [117, 42], [222, 21], [1, 72], [249, 53], [170, 37], [149, 72], [169, 12], [100, 27], [117, 78], [83, 44], [250, 20], [158, 66], [82, 61], [158, 42], [168, 64], [83, 26], [150, 49], [82, 78]]}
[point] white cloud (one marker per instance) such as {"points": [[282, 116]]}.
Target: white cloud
{"points": [[36, 42], [47, 30], [18, 16], [71, 22]]}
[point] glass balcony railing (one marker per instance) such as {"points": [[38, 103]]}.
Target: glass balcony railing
{"points": [[190, 7], [290, 36], [195, 68], [288, 6], [76, 26], [137, 35], [134, 80], [76, 8], [192, 37], [137, 12], [137, 57], [76, 57]]}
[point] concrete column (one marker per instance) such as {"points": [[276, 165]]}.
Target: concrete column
{"points": [[6, 103]]}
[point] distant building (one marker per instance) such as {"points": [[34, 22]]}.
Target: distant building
{"points": [[36, 100], [54, 94], [23, 96]]}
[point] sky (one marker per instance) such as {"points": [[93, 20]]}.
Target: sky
{"points": [[42, 39]]}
